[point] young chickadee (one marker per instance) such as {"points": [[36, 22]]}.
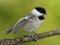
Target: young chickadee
{"points": [[30, 22]]}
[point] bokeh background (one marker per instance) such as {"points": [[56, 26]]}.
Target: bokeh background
{"points": [[12, 10]]}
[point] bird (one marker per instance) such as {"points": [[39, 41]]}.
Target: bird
{"points": [[29, 22]]}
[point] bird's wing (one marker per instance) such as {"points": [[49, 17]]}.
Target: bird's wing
{"points": [[21, 23]]}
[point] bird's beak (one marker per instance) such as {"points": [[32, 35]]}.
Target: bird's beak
{"points": [[45, 14]]}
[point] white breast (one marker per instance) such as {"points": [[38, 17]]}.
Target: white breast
{"points": [[32, 25]]}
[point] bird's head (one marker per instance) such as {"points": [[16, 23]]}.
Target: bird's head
{"points": [[39, 12]]}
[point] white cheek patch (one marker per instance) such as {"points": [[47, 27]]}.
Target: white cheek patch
{"points": [[35, 12]]}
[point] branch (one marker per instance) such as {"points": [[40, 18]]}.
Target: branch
{"points": [[28, 38]]}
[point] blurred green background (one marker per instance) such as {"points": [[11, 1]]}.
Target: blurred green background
{"points": [[12, 10]]}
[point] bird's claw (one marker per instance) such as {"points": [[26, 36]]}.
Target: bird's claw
{"points": [[34, 37]]}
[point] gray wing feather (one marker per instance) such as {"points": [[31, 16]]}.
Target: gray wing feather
{"points": [[21, 23]]}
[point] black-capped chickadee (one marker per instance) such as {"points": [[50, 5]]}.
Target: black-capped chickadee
{"points": [[30, 22]]}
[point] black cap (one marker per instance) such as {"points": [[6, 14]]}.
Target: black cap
{"points": [[41, 9]]}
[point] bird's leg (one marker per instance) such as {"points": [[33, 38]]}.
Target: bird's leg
{"points": [[34, 36]]}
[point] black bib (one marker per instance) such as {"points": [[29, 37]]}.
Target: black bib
{"points": [[41, 18]]}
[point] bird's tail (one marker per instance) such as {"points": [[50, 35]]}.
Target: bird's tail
{"points": [[8, 30]]}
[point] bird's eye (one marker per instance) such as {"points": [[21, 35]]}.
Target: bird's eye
{"points": [[40, 17]]}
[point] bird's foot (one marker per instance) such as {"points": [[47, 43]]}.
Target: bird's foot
{"points": [[34, 37]]}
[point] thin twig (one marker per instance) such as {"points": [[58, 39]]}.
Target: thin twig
{"points": [[28, 38]]}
